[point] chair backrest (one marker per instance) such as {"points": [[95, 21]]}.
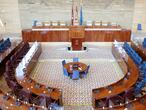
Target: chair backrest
{"points": [[87, 70], [144, 80], [75, 59], [139, 27], [63, 62], [144, 40], [75, 74], [65, 72]]}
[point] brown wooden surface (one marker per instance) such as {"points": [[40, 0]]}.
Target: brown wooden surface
{"points": [[136, 105], [56, 94], [76, 43], [119, 86], [10, 104], [76, 31], [107, 36], [81, 65]]}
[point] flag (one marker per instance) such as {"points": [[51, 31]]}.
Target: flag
{"points": [[81, 16], [72, 16]]}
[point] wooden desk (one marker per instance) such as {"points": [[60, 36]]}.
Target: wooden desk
{"points": [[24, 81], [69, 66], [76, 43], [135, 105], [10, 104], [119, 86], [65, 33]]}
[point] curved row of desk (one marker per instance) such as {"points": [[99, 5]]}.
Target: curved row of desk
{"points": [[9, 102], [120, 95], [18, 68]]}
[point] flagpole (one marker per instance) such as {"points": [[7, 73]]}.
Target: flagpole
{"points": [[81, 12]]}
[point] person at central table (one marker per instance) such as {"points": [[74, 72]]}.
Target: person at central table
{"points": [[75, 69]]}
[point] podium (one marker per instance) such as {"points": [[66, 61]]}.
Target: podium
{"points": [[76, 35], [76, 43]]}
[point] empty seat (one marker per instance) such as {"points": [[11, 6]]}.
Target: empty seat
{"points": [[4, 45], [83, 74], [63, 62], [139, 87], [75, 75], [65, 72], [139, 27], [75, 59], [32, 108], [25, 95], [144, 40]]}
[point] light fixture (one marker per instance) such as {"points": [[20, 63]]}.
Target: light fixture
{"points": [[109, 92]]}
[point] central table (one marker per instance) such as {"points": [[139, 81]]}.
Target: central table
{"points": [[81, 67]]}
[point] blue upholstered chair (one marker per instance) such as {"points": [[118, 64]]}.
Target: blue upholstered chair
{"points": [[63, 62], [8, 42], [65, 72], [138, 60], [139, 86], [54, 106], [144, 80], [144, 43], [83, 74], [142, 67], [139, 27], [144, 40], [34, 23], [75, 75], [4, 45], [2, 48], [75, 59]]}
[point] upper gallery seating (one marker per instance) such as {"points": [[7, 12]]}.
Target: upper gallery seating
{"points": [[127, 92], [136, 58], [11, 65], [4, 45], [144, 43], [5, 56], [142, 67]]}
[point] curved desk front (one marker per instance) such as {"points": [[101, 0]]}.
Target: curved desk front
{"points": [[120, 86]]}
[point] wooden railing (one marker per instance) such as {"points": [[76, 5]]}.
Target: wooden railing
{"points": [[121, 87]]}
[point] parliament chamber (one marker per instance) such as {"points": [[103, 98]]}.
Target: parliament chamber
{"points": [[72, 55]]}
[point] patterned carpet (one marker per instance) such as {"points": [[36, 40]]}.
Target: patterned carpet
{"points": [[77, 95]]}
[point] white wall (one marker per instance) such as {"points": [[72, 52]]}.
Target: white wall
{"points": [[139, 14], [9, 13], [120, 11]]}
